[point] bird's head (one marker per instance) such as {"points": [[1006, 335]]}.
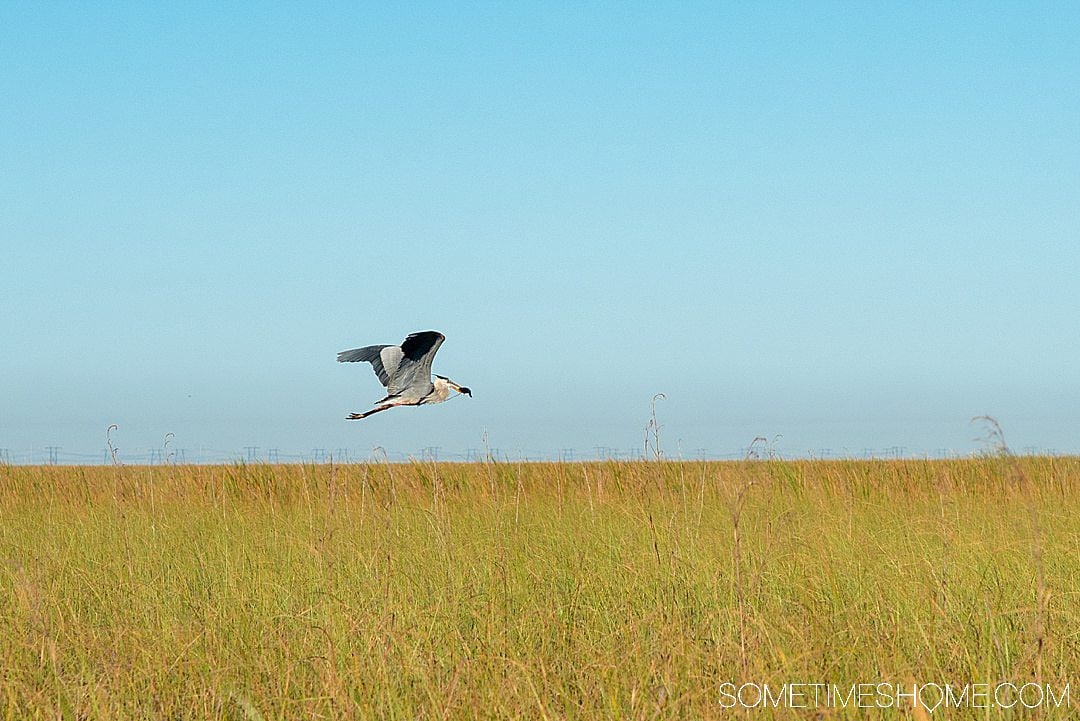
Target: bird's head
{"points": [[455, 386]]}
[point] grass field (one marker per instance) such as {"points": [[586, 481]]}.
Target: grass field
{"points": [[579, 590]]}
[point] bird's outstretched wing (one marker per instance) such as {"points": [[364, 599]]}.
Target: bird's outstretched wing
{"points": [[414, 371], [385, 359], [400, 368]]}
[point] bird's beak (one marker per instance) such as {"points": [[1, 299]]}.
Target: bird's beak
{"points": [[466, 391]]}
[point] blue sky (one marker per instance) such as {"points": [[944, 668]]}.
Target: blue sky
{"points": [[852, 225]]}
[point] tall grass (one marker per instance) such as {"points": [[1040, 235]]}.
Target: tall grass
{"points": [[591, 590]]}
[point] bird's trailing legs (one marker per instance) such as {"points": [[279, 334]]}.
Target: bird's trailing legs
{"points": [[358, 416], [388, 402]]}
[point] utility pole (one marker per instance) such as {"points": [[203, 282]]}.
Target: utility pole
{"points": [[54, 453], [272, 455], [251, 451]]}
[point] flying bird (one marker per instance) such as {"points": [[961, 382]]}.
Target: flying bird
{"points": [[405, 370]]}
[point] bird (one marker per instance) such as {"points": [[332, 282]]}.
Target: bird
{"points": [[405, 370]]}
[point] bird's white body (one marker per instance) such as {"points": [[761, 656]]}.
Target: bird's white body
{"points": [[443, 386]]}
